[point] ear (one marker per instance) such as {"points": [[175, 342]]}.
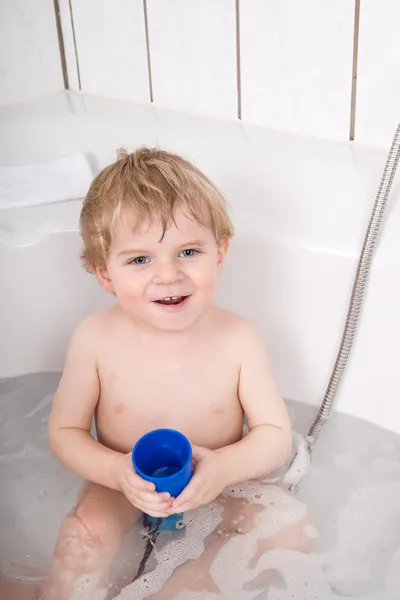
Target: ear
{"points": [[222, 251], [104, 279]]}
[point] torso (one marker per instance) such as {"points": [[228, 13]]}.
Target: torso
{"points": [[189, 384]]}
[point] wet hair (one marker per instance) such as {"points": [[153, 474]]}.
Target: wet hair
{"points": [[147, 185]]}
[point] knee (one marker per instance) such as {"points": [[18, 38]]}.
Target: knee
{"points": [[84, 537]]}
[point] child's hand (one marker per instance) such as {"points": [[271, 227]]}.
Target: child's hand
{"points": [[207, 482], [139, 492]]}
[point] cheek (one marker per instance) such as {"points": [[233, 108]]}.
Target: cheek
{"points": [[129, 285], [206, 277]]}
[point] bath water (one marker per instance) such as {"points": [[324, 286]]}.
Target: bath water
{"points": [[346, 515]]}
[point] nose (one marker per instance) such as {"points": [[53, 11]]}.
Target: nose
{"points": [[167, 272]]}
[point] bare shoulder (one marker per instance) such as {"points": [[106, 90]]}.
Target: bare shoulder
{"points": [[79, 388], [237, 330], [93, 329]]}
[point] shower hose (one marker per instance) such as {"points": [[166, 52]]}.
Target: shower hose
{"points": [[357, 294]]}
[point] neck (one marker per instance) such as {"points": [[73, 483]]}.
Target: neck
{"points": [[170, 337]]}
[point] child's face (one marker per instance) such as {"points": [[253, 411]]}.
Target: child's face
{"points": [[166, 285]]}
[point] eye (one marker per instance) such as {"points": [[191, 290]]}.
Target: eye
{"points": [[189, 252], [139, 260]]}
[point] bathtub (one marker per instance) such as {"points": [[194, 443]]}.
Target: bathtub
{"points": [[300, 206]]}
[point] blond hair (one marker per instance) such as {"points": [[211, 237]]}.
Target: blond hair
{"points": [[149, 184]]}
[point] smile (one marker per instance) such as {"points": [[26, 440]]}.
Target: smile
{"points": [[171, 300]]}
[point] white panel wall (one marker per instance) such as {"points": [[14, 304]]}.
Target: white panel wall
{"points": [[193, 55], [111, 44], [29, 56], [378, 94], [296, 60]]}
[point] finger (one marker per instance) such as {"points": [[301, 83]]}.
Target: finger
{"points": [[154, 513], [154, 499], [139, 483], [193, 489], [153, 510]]}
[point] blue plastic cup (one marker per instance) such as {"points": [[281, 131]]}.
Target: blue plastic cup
{"points": [[164, 457]]}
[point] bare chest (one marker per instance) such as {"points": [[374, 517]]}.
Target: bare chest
{"points": [[195, 393]]}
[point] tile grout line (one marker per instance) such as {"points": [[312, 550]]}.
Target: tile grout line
{"points": [[61, 46], [354, 71], [146, 26], [75, 45], [238, 61]]}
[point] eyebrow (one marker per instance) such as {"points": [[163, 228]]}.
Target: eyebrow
{"points": [[137, 251], [141, 252], [193, 243]]}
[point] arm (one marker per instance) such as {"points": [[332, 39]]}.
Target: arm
{"points": [[268, 443], [69, 429], [72, 411]]}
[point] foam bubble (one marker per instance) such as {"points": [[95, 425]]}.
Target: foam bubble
{"points": [[174, 553], [231, 569]]}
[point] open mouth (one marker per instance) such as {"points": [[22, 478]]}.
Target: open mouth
{"points": [[171, 300]]}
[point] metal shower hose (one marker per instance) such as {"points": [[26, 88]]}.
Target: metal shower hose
{"points": [[357, 294]]}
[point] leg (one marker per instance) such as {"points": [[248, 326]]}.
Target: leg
{"points": [[240, 519], [17, 590], [89, 540], [194, 575]]}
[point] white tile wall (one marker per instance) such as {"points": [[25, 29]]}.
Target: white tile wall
{"points": [[29, 56], [378, 93], [193, 55], [296, 59], [297, 64], [111, 43]]}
